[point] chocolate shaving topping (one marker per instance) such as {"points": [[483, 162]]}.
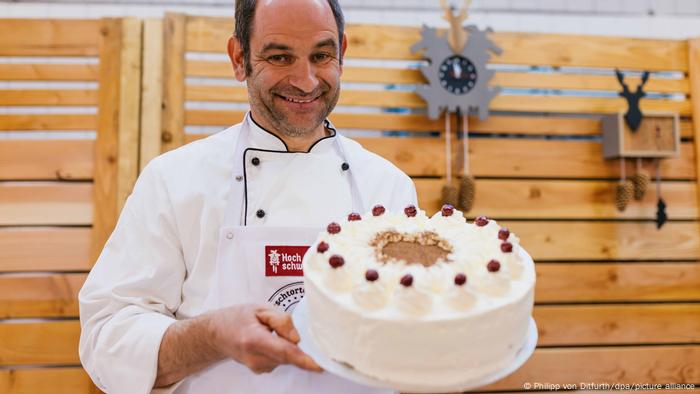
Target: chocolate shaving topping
{"points": [[426, 248]]}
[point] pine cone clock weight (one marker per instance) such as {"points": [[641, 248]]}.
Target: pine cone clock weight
{"points": [[467, 192], [450, 195], [641, 181], [623, 195]]}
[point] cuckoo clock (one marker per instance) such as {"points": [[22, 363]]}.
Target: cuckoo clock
{"points": [[458, 83], [458, 80], [633, 135]]}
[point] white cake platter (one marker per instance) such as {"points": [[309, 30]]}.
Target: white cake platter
{"points": [[309, 346]]}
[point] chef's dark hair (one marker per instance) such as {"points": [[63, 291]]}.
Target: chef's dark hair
{"points": [[245, 14]]}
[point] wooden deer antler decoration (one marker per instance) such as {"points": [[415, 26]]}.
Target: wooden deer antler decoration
{"points": [[633, 117], [457, 37]]}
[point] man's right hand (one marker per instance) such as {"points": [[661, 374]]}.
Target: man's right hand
{"points": [[257, 336], [246, 333]]}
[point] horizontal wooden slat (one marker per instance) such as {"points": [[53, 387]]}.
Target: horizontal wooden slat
{"points": [[394, 42], [584, 105], [44, 249], [633, 364], [585, 282], [48, 97], [559, 241], [48, 122], [617, 324], [517, 158], [215, 93], [48, 72], [520, 158], [553, 199], [39, 295], [528, 125], [405, 99], [584, 82], [45, 203], [43, 343], [209, 34], [48, 159], [591, 51], [55, 295], [65, 380], [524, 80], [49, 37]]}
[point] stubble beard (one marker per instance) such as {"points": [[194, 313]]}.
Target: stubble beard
{"points": [[279, 120]]}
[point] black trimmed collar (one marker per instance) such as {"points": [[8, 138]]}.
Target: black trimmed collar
{"points": [[276, 139]]}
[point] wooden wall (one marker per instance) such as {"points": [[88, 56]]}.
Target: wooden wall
{"points": [[59, 195], [616, 300]]}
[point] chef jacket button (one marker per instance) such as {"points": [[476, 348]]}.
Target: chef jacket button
{"points": [[255, 161], [345, 166], [239, 178], [260, 213], [229, 235]]}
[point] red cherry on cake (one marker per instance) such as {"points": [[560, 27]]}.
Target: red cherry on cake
{"points": [[336, 261], [322, 247], [354, 216], [378, 210], [460, 279], [447, 210], [333, 228], [503, 233], [481, 221], [371, 275], [407, 280], [493, 266], [410, 211], [506, 247]]}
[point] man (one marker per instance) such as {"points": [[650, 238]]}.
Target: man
{"points": [[185, 296]]}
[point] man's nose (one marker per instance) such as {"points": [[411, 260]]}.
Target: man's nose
{"points": [[303, 76]]}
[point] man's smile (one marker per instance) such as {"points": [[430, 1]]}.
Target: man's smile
{"points": [[299, 100]]}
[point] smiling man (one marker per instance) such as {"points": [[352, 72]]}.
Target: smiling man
{"points": [[193, 290]]}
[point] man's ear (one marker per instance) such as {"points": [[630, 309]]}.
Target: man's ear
{"points": [[343, 47], [235, 53]]}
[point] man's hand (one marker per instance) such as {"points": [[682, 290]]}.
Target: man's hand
{"points": [[257, 336], [245, 334]]}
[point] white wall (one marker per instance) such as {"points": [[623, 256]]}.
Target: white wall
{"points": [[677, 19]]}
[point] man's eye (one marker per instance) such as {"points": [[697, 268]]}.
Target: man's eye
{"points": [[322, 57], [279, 59]]}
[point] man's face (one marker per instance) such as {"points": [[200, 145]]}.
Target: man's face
{"points": [[294, 55]]}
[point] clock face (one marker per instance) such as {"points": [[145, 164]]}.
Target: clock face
{"points": [[457, 75]]}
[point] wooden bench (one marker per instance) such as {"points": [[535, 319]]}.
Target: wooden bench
{"points": [[60, 193]]}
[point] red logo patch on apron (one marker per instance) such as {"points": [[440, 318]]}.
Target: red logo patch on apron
{"points": [[284, 260]]}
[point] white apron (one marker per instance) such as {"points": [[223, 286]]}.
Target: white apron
{"points": [[252, 266]]}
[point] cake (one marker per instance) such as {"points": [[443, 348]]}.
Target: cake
{"points": [[413, 300]]}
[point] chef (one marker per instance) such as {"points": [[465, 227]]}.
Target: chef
{"points": [[188, 295]]}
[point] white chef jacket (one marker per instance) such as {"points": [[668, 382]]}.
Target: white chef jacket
{"points": [[157, 265]]}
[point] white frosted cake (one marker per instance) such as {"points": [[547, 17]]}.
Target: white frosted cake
{"points": [[411, 299]]}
